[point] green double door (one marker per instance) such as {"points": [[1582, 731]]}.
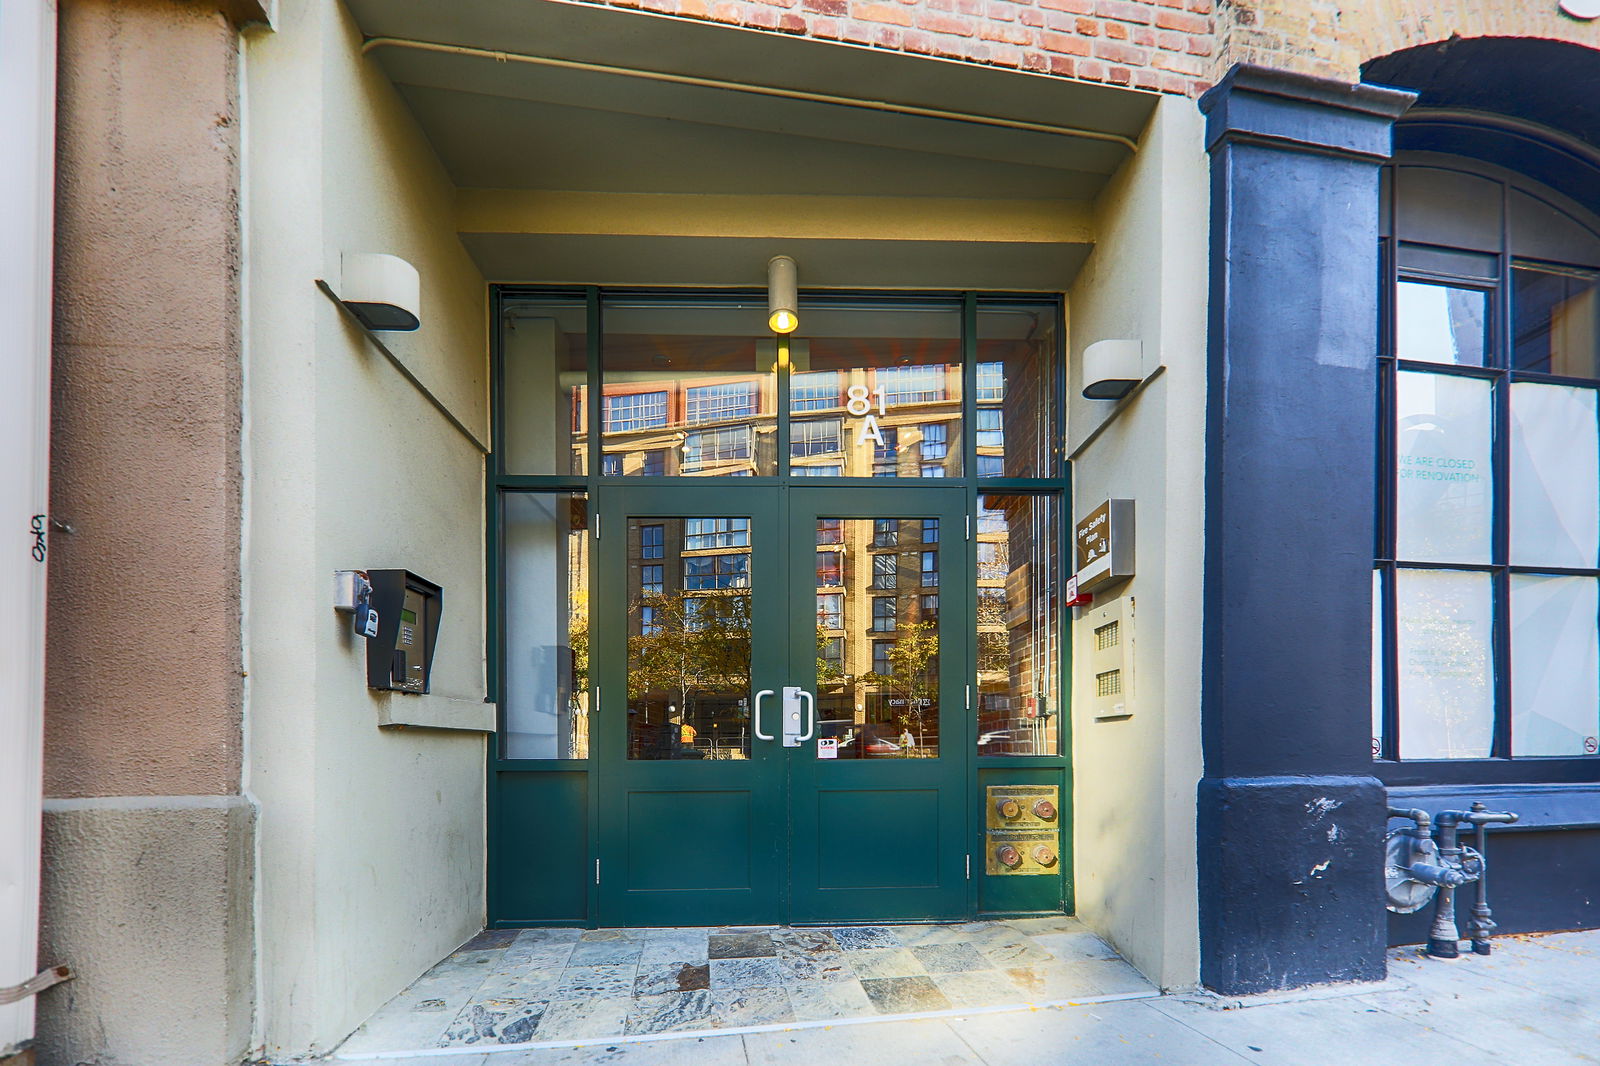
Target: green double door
{"points": [[781, 731]]}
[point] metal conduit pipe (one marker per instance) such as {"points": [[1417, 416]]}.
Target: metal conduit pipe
{"points": [[1419, 867], [372, 44]]}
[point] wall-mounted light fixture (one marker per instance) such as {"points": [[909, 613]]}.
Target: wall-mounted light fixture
{"points": [[1112, 368], [1582, 10], [383, 291], [782, 299]]}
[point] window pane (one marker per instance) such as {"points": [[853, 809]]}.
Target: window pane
{"points": [[1446, 693], [1440, 324], [878, 682], [688, 388], [546, 699], [1444, 492], [1017, 364], [1555, 476], [1555, 665], [895, 372], [1019, 644], [689, 642], [1555, 318], [545, 367]]}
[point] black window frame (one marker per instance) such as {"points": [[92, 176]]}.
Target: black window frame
{"points": [[1501, 766]]}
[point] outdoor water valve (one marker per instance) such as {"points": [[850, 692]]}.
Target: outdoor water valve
{"points": [[1419, 865]]}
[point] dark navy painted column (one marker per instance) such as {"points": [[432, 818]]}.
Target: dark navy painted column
{"points": [[1290, 817]]}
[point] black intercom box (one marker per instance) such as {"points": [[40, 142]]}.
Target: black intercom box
{"points": [[400, 657]]}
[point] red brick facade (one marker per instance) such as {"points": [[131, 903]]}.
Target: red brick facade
{"points": [[1162, 45]]}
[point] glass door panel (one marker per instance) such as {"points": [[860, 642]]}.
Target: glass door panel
{"points": [[877, 789], [692, 627]]}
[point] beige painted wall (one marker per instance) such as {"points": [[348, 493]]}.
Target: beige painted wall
{"points": [[1134, 778], [372, 840]]}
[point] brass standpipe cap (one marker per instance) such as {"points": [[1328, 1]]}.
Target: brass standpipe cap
{"points": [[1044, 810], [1009, 856], [1008, 808], [1044, 855]]}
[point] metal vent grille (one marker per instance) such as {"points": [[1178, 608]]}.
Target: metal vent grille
{"points": [[1108, 683], [1107, 636]]}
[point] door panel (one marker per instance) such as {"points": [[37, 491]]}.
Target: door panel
{"points": [[689, 625], [879, 821]]}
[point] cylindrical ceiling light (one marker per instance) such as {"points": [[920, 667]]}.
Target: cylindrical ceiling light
{"points": [[782, 300]]}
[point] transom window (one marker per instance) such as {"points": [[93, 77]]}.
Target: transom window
{"points": [[1487, 588]]}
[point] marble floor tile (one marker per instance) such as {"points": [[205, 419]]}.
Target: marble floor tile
{"points": [[885, 962], [592, 935], [1069, 946], [605, 952], [577, 1017], [404, 1027], [685, 945], [746, 973], [822, 966], [917, 935], [495, 1021], [1018, 952], [864, 937], [751, 1006], [804, 942], [659, 978], [949, 958], [816, 1001], [491, 939], [741, 945], [977, 988], [1055, 923], [521, 983], [671, 1012], [548, 934], [615, 979], [905, 995]]}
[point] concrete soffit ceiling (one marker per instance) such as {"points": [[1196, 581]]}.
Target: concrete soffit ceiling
{"points": [[569, 173]]}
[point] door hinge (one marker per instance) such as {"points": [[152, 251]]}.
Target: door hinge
{"points": [[597, 699], [969, 698], [597, 871], [969, 526], [969, 867], [597, 525]]}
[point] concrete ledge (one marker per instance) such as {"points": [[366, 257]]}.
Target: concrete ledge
{"points": [[429, 711], [149, 900]]}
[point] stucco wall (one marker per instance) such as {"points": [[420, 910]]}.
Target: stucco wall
{"points": [[371, 839], [1134, 777]]}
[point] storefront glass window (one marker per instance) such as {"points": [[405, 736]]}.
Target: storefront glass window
{"points": [[1446, 664], [1441, 323], [1445, 484], [546, 627], [1556, 320], [1019, 645], [689, 641], [688, 388], [544, 361]]}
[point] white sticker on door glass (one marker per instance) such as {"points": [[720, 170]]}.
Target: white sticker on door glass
{"points": [[1555, 476], [1446, 664], [1444, 481], [1555, 665]]}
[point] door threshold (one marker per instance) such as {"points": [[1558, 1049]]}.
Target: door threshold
{"points": [[741, 1030]]}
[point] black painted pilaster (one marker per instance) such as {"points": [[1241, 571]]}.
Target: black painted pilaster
{"points": [[1290, 818]]}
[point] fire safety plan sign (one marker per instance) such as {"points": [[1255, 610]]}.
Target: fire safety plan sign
{"points": [[1103, 543]]}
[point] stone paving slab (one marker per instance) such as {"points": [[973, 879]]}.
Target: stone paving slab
{"points": [[508, 987]]}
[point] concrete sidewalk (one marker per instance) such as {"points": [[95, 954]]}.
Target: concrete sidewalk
{"points": [[1535, 1001]]}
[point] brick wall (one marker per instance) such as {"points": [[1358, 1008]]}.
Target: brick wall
{"points": [[1173, 46], [1163, 45]]}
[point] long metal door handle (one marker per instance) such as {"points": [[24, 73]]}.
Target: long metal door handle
{"points": [[811, 716], [759, 734]]}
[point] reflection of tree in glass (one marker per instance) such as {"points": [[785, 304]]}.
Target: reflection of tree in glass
{"points": [[829, 671], [914, 676], [699, 644]]}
